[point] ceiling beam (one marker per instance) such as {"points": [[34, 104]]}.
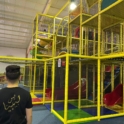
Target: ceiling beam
{"points": [[8, 19], [13, 13], [13, 35], [12, 38], [15, 16], [13, 5], [12, 43], [35, 2], [15, 31], [9, 44], [20, 47], [15, 26]]}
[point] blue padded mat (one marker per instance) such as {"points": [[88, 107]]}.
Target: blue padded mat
{"points": [[93, 111], [106, 3], [60, 106], [39, 95]]}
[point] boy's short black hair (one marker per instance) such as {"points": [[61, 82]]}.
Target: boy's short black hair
{"points": [[13, 72]]}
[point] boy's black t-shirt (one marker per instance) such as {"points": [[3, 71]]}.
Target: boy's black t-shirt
{"points": [[13, 104]]}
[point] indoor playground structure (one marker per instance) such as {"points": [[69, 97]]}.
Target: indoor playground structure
{"points": [[77, 64]]}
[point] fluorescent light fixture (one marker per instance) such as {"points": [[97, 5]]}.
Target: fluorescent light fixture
{"points": [[38, 40], [72, 5]]}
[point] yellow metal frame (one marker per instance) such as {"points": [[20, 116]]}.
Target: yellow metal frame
{"points": [[84, 54], [98, 57]]}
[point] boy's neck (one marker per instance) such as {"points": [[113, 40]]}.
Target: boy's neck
{"points": [[12, 85]]}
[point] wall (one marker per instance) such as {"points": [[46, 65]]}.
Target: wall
{"points": [[15, 52]]}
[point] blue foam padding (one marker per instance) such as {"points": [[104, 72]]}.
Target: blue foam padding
{"points": [[106, 3], [93, 111], [90, 97], [60, 106], [39, 95]]}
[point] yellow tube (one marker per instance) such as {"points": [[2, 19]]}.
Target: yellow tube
{"points": [[83, 56], [94, 42], [81, 29], [94, 83], [98, 90], [121, 37], [112, 115], [112, 40], [66, 90], [44, 82], [58, 57], [37, 103], [66, 4], [82, 119], [112, 77], [102, 83], [79, 91], [123, 87], [53, 84], [121, 72], [54, 47], [87, 81], [57, 115]]}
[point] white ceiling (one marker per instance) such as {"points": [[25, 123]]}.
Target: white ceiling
{"points": [[16, 17]]}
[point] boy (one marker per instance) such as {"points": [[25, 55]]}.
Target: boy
{"points": [[15, 102]]}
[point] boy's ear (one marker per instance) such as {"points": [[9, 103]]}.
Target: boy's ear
{"points": [[5, 78], [20, 77]]}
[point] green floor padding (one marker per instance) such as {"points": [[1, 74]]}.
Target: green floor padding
{"points": [[83, 103], [75, 114]]}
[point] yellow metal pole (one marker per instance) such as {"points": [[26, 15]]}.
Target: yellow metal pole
{"points": [[62, 31], [54, 39], [121, 71], [30, 73], [66, 4], [112, 77], [31, 77], [86, 40], [66, 90], [94, 83], [82, 40], [103, 43], [70, 39], [44, 82], [106, 44], [87, 81], [94, 42], [55, 43], [98, 92], [123, 86], [53, 84], [35, 56], [102, 82], [81, 29], [80, 50], [112, 40], [24, 75], [121, 37], [48, 31], [98, 64], [79, 94]]}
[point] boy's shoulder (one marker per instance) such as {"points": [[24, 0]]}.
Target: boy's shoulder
{"points": [[18, 89]]}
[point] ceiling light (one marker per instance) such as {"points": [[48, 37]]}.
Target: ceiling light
{"points": [[72, 5], [38, 40]]}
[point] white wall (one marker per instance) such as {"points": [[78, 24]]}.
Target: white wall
{"points": [[15, 52]]}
